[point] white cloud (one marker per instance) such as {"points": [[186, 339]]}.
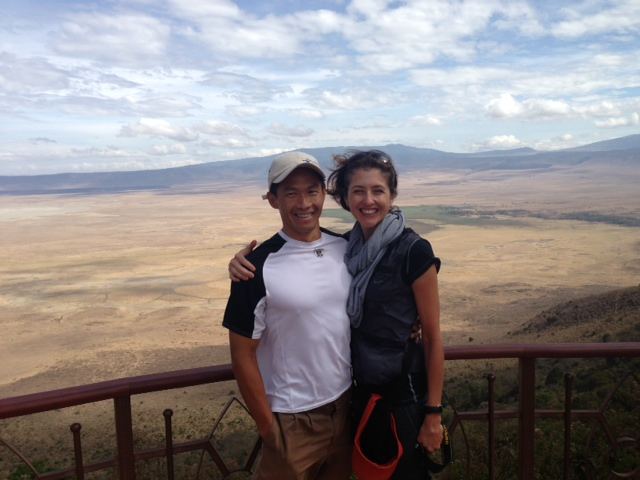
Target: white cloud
{"points": [[215, 127], [609, 60], [619, 17], [226, 134], [460, 76], [367, 8], [158, 128], [565, 140], [306, 113], [386, 36], [613, 122], [353, 98], [173, 149], [195, 9], [244, 111], [428, 120], [573, 80], [129, 39], [264, 152], [246, 88], [172, 105], [499, 142], [604, 108], [547, 108], [569, 75], [109, 151], [229, 142], [518, 16], [402, 35], [30, 75], [229, 31], [40, 84], [505, 107], [340, 100], [289, 131], [567, 137], [41, 140]]}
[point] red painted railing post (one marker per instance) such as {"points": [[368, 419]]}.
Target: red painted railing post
{"points": [[124, 438], [527, 418], [168, 436], [77, 451], [568, 387], [491, 418]]}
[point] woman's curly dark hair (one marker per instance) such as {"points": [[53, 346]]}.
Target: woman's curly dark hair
{"points": [[340, 177]]}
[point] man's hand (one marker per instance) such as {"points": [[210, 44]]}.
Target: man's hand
{"points": [[265, 428], [245, 368], [240, 268]]}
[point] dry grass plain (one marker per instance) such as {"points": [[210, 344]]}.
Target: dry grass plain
{"points": [[96, 287], [106, 286]]}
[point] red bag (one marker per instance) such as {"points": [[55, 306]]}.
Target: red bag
{"points": [[366, 468]]}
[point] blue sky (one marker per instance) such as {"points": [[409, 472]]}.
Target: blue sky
{"points": [[142, 84]]}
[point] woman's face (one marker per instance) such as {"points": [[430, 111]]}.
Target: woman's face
{"points": [[369, 198]]}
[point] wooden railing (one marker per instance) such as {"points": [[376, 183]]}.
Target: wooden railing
{"points": [[121, 391]]}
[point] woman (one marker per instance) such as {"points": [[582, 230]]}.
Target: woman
{"points": [[394, 284]]}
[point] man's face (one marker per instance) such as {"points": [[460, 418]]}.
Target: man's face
{"points": [[299, 199]]}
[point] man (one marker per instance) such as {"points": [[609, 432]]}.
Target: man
{"points": [[289, 333]]}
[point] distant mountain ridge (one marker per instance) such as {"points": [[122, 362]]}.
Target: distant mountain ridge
{"points": [[624, 149], [623, 143]]}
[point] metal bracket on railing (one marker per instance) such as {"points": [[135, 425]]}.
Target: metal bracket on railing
{"points": [[22, 458], [215, 455], [615, 443]]}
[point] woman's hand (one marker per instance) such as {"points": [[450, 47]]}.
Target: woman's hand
{"points": [[239, 267], [430, 435]]}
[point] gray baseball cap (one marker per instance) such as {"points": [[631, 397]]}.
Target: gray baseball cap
{"points": [[285, 163]]}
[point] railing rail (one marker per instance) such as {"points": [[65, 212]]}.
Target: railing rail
{"points": [[121, 390]]}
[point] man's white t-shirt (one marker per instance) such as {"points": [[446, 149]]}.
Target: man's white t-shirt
{"points": [[296, 306]]}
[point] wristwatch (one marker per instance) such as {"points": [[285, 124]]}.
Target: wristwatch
{"points": [[432, 410]]}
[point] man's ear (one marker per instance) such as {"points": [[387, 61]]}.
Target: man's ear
{"points": [[273, 200]]}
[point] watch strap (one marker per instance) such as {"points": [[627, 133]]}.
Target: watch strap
{"points": [[432, 409]]}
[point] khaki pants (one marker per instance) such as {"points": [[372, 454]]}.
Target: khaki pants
{"points": [[313, 445]]}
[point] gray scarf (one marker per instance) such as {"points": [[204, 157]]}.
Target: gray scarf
{"points": [[362, 257]]}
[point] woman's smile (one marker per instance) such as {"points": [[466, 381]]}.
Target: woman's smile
{"points": [[369, 198]]}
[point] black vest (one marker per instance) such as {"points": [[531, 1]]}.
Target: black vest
{"points": [[380, 345]]}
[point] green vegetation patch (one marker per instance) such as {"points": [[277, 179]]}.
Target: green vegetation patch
{"points": [[22, 472], [440, 215], [625, 221], [584, 216], [450, 215], [596, 381]]}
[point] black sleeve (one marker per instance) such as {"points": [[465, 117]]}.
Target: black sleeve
{"points": [[419, 259], [238, 315]]}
